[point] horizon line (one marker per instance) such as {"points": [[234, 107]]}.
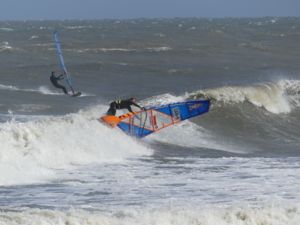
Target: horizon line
{"points": [[148, 18]]}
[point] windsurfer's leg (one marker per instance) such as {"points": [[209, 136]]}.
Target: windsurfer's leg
{"points": [[112, 109], [62, 87]]}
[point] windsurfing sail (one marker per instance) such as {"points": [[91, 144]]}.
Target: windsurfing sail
{"points": [[143, 123], [62, 63]]}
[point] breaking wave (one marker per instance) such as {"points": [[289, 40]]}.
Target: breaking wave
{"points": [[31, 151], [42, 145], [275, 97]]}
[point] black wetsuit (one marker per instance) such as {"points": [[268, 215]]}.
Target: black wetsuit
{"points": [[54, 80], [121, 104]]}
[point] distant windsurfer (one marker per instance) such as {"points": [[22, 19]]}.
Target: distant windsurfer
{"points": [[54, 80], [122, 104]]}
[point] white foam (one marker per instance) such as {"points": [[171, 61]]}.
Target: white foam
{"points": [[79, 27], [4, 46], [270, 96], [264, 215], [8, 87], [31, 151], [34, 37], [42, 90], [292, 89], [162, 99], [97, 50], [6, 29], [46, 91], [160, 49]]}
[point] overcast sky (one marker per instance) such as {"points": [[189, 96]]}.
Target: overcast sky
{"points": [[122, 9]]}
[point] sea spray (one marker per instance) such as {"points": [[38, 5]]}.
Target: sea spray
{"points": [[35, 148]]}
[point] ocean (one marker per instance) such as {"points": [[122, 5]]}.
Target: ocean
{"points": [[237, 164]]}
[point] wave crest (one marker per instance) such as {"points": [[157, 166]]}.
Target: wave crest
{"points": [[31, 151], [273, 97]]}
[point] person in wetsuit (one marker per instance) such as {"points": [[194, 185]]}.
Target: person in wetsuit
{"points": [[122, 104], [54, 80]]}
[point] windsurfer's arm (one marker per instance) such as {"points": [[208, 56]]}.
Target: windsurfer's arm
{"points": [[129, 109], [61, 76], [133, 103]]}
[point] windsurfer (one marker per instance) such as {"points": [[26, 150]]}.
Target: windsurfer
{"points": [[122, 104], [54, 80]]}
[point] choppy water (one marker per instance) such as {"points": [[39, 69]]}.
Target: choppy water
{"points": [[237, 164]]}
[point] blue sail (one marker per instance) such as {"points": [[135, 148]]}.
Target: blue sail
{"points": [[146, 122], [61, 60]]}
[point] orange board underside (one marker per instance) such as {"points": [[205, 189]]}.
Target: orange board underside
{"points": [[114, 120], [110, 120]]}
